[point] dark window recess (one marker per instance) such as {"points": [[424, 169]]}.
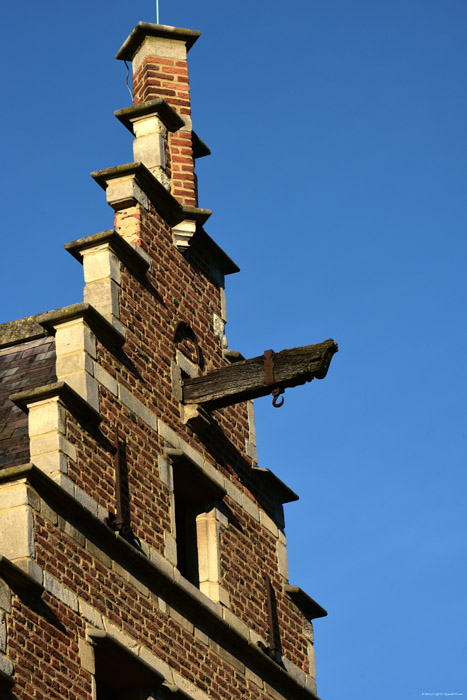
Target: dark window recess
{"points": [[194, 494], [120, 675]]}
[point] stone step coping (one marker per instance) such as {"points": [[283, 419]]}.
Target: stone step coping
{"points": [[160, 577], [168, 116], [20, 330], [130, 256], [77, 406], [200, 150], [167, 206], [144, 29], [309, 607], [18, 580], [275, 485], [208, 245], [110, 336]]}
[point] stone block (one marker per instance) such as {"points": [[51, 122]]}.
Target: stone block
{"points": [[51, 442], [297, 674], [268, 523], [282, 560], [71, 531], [86, 386], [158, 46], [124, 193], [105, 297], [46, 416], [170, 548], [149, 149], [250, 507], [188, 688], [55, 462], [5, 596], [157, 664], [6, 666], [86, 500], [86, 655], [74, 336], [18, 494], [138, 408], [90, 614], [71, 364], [2, 632], [101, 263], [121, 636], [236, 624], [106, 379], [17, 533], [98, 554], [60, 592], [31, 568], [181, 620], [253, 678]]}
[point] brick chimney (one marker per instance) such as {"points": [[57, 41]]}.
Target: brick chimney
{"points": [[164, 139]]}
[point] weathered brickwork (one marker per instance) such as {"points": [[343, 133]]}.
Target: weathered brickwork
{"points": [[168, 78], [146, 538]]}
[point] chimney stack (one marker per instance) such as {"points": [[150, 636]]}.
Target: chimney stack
{"points": [[160, 118]]}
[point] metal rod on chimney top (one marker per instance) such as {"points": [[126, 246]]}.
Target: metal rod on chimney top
{"points": [[157, 11]]}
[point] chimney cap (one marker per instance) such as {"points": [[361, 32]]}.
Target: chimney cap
{"points": [[144, 29]]}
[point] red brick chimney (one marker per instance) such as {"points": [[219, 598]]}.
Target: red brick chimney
{"points": [[159, 57]]}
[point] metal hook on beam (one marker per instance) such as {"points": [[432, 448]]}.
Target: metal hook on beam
{"points": [[269, 378]]}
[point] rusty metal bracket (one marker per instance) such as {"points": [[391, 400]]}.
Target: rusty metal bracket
{"points": [[269, 378], [271, 648], [116, 520]]}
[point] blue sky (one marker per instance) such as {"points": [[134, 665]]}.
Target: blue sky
{"points": [[337, 183]]}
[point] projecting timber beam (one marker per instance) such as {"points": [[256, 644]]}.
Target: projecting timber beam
{"points": [[253, 378]]}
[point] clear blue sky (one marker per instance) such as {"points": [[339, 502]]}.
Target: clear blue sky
{"points": [[337, 182]]}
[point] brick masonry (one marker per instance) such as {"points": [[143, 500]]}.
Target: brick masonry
{"points": [[90, 585]]}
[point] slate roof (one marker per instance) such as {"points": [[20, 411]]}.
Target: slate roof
{"points": [[24, 365]]}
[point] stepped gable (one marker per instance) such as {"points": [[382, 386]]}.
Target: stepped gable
{"points": [[142, 546], [24, 365]]}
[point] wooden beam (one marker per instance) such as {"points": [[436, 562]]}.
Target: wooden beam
{"points": [[247, 380]]}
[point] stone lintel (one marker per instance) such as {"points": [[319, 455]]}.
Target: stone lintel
{"points": [[167, 206], [282, 492], [129, 256], [159, 107], [110, 336], [14, 332], [203, 241], [77, 406], [118, 665], [17, 579], [161, 31], [191, 602], [200, 150], [309, 607]]}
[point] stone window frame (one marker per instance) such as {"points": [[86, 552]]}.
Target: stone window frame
{"points": [[207, 523]]}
